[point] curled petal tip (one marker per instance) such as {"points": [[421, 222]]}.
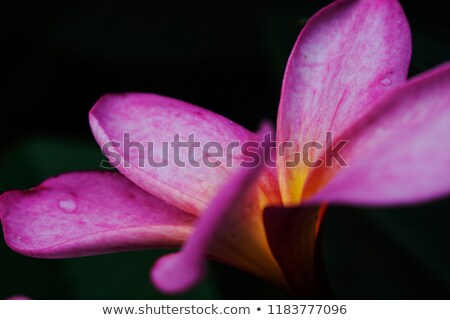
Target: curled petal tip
{"points": [[174, 274], [179, 272], [265, 127]]}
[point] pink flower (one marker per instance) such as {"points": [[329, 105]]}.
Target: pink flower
{"points": [[346, 75]]}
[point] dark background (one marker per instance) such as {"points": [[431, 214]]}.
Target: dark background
{"points": [[58, 58]]}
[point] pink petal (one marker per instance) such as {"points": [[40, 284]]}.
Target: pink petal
{"points": [[18, 297], [226, 212], [397, 154], [152, 118], [347, 56], [88, 213]]}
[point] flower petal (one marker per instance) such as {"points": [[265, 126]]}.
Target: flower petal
{"points": [[229, 231], [397, 154], [293, 236], [347, 56], [149, 118], [88, 213], [18, 297]]}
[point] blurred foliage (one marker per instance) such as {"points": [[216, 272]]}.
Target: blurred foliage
{"points": [[59, 57], [397, 253]]}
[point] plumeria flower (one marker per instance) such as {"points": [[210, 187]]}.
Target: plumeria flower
{"points": [[346, 75]]}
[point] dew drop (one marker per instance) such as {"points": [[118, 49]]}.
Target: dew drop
{"points": [[385, 82], [398, 21], [68, 206]]}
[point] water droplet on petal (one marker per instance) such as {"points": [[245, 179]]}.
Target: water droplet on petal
{"points": [[68, 206], [398, 21], [385, 82]]}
